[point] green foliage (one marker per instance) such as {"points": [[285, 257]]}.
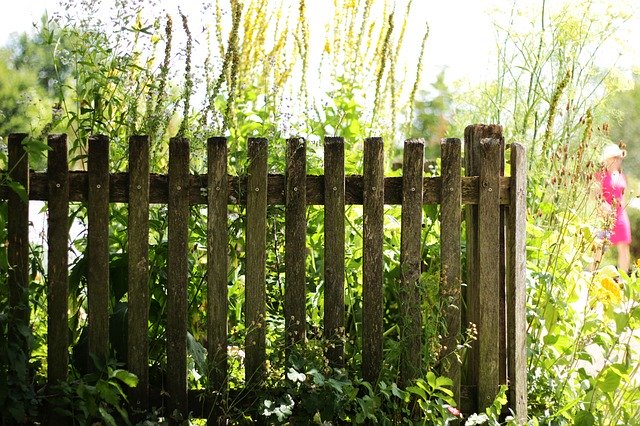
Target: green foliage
{"points": [[311, 389], [97, 397], [22, 101]]}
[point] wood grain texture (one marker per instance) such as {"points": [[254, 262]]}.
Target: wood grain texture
{"points": [[98, 247], [217, 263], [372, 259], [295, 241], [473, 134], [516, 284], [334, 228], [58, 262], [255, 291], [450, 258], [177, 275], [138, 269], [489, 273], [411, 261], [18, 239]]}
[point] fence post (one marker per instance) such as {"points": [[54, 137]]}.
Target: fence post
{"points": [[98, 248], [177, 275], [411, 260], [217, 267], [255, 296], [516, 284], [334, 228], [450, 285], [58, 260], [18, 247], [372, 259], [138, 269], [489, 272], [295, 241], [473, 134]]}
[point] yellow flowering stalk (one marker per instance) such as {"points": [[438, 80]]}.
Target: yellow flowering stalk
{"points": [[606, 288]]}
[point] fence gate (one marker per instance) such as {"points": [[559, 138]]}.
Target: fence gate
{"points": [[490, 293]]}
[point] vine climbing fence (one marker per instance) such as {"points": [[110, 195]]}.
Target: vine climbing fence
{"points": [[478, 205]]}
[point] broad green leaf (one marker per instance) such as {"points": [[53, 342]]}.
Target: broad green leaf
{"points": [[108, 418], [609, 380], [584, 418], [126, 377]]}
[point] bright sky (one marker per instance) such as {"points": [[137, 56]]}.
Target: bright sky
{"points": [[446, 45], [461, 37]]}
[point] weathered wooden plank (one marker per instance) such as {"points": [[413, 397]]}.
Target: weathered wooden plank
{"points": [[217, 263], [470, 313], [158, 192], [334, 228], [138, 269], [372, 261], [255, 293], [489, 272], [18, 239], [516, 284], [410, 261], [98, 247], [177, 274], [295, 241], [450, 250], [470, 292], [58, 261]]}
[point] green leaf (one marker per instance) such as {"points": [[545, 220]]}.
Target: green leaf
{"points": [[431, 379], [443, 382], [108, 418], [106, 393], [126, 377], [197, 352], [584, 418], [417, 391], [18, 189], [609, 380]]}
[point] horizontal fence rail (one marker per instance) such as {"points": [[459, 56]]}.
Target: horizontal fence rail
{"points": [[491, 205], [119, 191]]}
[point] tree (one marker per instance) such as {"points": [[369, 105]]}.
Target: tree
{"points": [[22, 100]]}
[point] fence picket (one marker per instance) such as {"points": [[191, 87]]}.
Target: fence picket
{"points": [[334, 248], [411, 261], [98, 247], [255, 296], [473, 134], [295, 240], [138, 269], [372, 259], [18, 239], [516, 285], [489, 269], [450, 290], [217, 263], [177, 274], [58, 260]]}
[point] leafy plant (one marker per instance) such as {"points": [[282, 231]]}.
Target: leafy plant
{"points": [[95, 397]]}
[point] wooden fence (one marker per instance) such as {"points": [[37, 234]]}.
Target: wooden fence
{"points": [[494, 215]]}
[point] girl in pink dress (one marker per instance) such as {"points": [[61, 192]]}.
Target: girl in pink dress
{"points": [[612, 186]]}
